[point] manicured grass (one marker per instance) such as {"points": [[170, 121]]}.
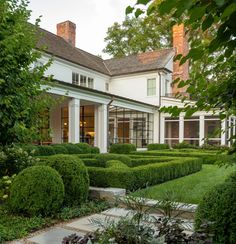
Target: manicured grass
{"points": [[191, 188]]}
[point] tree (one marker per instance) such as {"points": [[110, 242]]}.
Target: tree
{"points": [[21, 96], [136, 35], [215, 86]]}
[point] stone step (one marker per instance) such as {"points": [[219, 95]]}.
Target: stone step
{"points": [[90, 223]]}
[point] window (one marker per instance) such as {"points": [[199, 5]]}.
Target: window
{"points": [[90, 82], [107, 87], [151, 87], [83, 80], [167, 86], [75, 78]]}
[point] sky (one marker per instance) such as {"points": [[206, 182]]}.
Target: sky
{"points": [[92, 18]]}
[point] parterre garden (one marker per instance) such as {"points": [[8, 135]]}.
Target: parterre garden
{"points": [[44, 184]]}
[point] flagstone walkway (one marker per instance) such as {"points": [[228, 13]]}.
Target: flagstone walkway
{"points": [[81, 226]]}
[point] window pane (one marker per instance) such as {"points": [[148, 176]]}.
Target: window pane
{"points": [[90, 82], [83, 80], [212, 128], [172, 129], [151, 87], [191, 129], [75, 78]]}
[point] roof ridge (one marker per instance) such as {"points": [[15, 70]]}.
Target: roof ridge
{"points": [[136, 54]]}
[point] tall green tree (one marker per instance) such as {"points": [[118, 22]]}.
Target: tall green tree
{"points": [[214, 86], [21, 96], [136, 35]]}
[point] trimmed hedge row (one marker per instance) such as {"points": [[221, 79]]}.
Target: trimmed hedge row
{"points": [[65, 148], [103, 158], [146, 160], [124, 148], [139, 177], [207, 158]]}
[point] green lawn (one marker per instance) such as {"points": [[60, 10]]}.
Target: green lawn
{"points": [[191, 188]]}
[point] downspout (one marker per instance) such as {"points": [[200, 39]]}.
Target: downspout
{"points": [[159, 114], [108, 105]]}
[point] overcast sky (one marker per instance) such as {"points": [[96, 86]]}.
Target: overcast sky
{"points": [[92, 18]]}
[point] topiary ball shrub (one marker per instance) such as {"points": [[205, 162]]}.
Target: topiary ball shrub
{"points": [[125, 148], [59, 149], [37, 190], [157, 146], [219, 207], [46, 150], [104, 157], [74, 175]]}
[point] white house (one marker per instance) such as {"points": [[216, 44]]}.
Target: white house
{"points": [[118, 100]]}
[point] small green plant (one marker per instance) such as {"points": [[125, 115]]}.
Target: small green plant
{"points": [[5, 185], [184, 145]]}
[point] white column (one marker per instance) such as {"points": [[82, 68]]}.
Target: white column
{"points": [[223, 132], [201, 130], [74, 120], [102, 130], [156, 127], [162, 131], [181, 128]]}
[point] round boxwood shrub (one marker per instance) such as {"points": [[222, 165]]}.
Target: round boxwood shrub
{"points": [[157, 146], [219, 207], [59, 149], [74, 175], [104, 157], [37, 190], [122, 148]]}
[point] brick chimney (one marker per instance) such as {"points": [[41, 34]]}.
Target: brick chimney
{"points": [[180, 44], [66, 30]]}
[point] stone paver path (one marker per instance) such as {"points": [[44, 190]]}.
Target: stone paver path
{"points": [[81, 226]]}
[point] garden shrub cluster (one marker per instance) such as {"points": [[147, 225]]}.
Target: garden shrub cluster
{"points": [[218, 206], [124, 148], [74, 175], [141, 176], [64, 148], [183, 145], [157, 146], [37, 190]]}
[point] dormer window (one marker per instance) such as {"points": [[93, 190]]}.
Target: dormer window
{"points": [[82, 80]]}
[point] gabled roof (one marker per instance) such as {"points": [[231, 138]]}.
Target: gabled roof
{"points": [[149, 61]]}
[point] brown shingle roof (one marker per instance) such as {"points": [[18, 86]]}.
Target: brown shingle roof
{"points": [[148, 61], [140, 62]]}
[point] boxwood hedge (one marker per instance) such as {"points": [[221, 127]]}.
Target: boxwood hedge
{"points": [[124, 148], [141, 176], [157, 146]]}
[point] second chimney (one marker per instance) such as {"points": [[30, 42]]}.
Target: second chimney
{"points": [[180, 44], [67, 30]]}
